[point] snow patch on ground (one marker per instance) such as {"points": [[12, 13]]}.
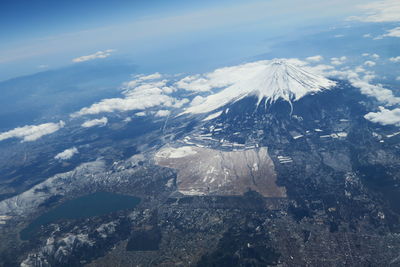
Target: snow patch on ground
{"points": [[285, 159], [391, 135], [213, 116], [174, 153], [268, 79]]}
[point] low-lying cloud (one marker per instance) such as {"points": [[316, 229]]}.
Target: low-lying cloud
{"points": [[395, 59], [385, 116], [99, 54], [316, 58], [95, 122], [139, 94], [360, 78], [67, 154], [163, 113], [338, 60], [369, 63], [30, 133], [395, 32]]}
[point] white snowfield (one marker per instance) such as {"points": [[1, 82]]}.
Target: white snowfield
{"points": [[269, 79], [175, 153]]}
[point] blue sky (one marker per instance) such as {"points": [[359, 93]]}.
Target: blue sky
{"points": [[26, 18], [174, 35]]}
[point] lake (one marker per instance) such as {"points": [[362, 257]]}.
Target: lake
{"points": [[96, 204]]}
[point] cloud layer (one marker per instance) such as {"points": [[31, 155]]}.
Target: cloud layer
{"points": [[163, 113], [67, 154], [99, 54], [32, 132], [380, 11], [316, 58], [338, 60], [360, 78], [139, 94]]}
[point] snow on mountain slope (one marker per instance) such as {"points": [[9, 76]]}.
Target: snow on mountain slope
{"points": [[269, 79]]}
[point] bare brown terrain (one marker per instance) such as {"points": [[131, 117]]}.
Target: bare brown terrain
{"points": [[205, 171]]}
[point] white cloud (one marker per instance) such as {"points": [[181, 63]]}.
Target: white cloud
{"points": [[141, 93], [194, 83], [168, 89], [369, 76], [338, 36], [121, 104], [96, 122], [99, 54], [139, 79], [367, 35], [369, 63], [385, 116], [142, 101], [395, 32], [398, 78], [316, 58], [338, 60], [375, 56], [320, 69], [395, 59], [162, 113], [380, 11], [180, 103], [140, 114], [359, 69], [67, 154], [377, 91], [197, 100], [153, 76], [32, 132]]}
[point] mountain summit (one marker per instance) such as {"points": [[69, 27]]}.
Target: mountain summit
{"points": [[270, 80]]}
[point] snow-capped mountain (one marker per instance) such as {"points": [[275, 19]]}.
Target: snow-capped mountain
{"points": [[270, 80]]}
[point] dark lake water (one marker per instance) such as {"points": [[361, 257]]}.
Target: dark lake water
{"points": [[96, 204]]}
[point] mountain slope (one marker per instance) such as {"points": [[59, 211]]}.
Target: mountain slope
{"points": [[269, 80]]}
